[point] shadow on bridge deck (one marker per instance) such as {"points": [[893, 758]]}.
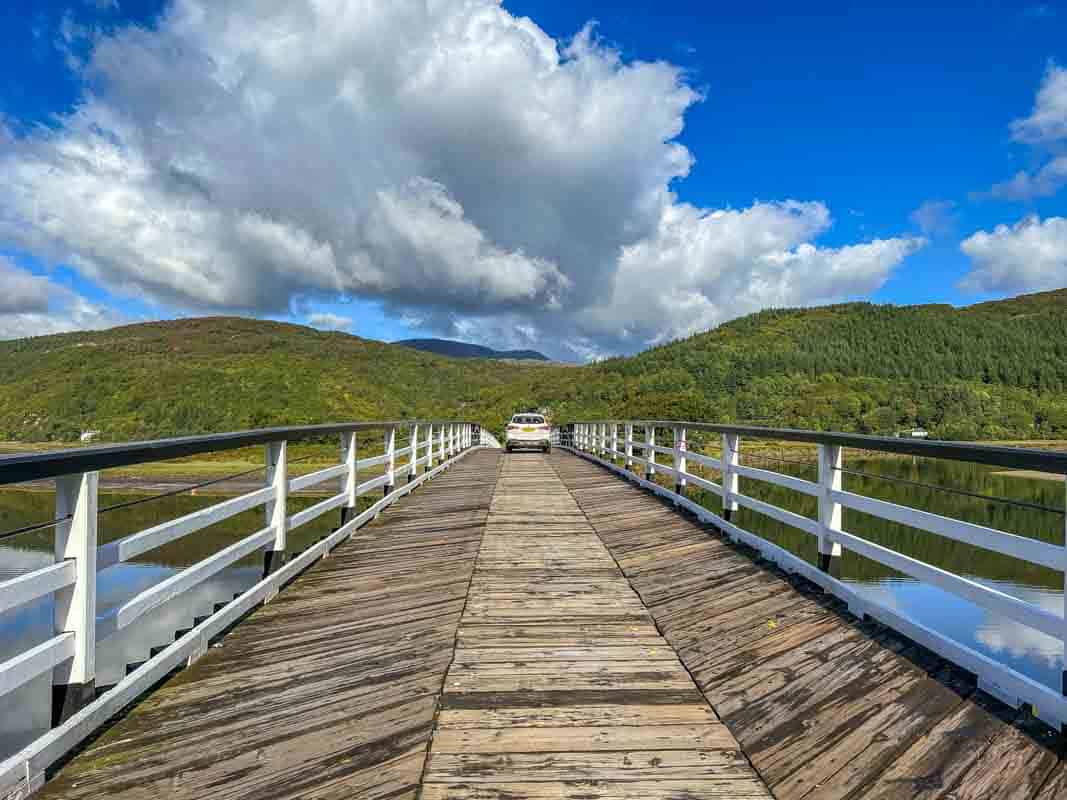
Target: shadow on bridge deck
{"points": [[514, 629]]}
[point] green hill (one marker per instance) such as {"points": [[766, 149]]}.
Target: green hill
{"points": [[991, 371], [224, 373]]}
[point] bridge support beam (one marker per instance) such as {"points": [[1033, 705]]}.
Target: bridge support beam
{"points": [[680, 463], [390, 464], [830, 480], [276, 514], [74, 682], [350, 481], [650, 454], [731, 481]]}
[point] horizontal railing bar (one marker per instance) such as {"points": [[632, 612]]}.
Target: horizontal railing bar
{"points": [[777, 478], [36, 466], [402, 451], [33, 662], [373, 462], [993, 455], [1009, 544], [317, 510], [121, 616], [787, 517], [149, 539], [991, 599], [704, 460], [704, 483], [33, 585], [660, 449], [315, 478], [374, 483]]}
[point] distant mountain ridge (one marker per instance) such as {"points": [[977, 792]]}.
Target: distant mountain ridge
{"points": [[449, 347]]}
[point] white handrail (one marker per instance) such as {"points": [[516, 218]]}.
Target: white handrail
{"points": [[995, 677], [24, 771], [71, 652], [32, 585]]}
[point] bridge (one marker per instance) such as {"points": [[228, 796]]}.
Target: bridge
{"points": [[584, 624]]}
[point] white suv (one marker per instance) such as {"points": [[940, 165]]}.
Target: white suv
{"points": [[528, 430]]}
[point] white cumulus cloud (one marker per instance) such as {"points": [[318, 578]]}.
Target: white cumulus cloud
{"points": [[32, 305], [448, 159], [1028, 256], [1045, 130], [1048, 120], [328, 321]]}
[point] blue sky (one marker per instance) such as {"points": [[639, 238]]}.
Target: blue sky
{"points": [[869, 112]]}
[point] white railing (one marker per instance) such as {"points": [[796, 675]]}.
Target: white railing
{"points": [[601, 442], [70, 653]]}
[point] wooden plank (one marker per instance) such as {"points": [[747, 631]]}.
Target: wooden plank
{"points": [[561, 685], [581, 738], [615, 714], [587, 765], [689, 789], [823, 705]]}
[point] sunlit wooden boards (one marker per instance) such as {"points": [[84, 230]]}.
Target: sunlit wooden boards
{"points": [[823, 706], [330, 690], [561, 686]]}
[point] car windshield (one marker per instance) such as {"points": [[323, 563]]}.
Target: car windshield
{"points": [[528, 420]]}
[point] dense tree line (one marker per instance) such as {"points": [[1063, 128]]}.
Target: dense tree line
{"points": [[995, 371]]}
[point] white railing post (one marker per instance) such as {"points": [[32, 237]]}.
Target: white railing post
{"points": [[390, 461], [680, 463], [275, 509], [413, 456], [74, 681], [731, 481], [614, 442], [429, 447], [441, 443], [603, 439], [830, 480], [650, 454], [350, 481], [628, 445]]}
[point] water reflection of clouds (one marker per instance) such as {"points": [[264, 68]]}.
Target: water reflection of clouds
{"points": [[1019, 647], [1002, 635], [24, 713]]}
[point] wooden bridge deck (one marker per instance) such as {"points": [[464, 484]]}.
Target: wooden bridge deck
{"points": [[531, 626]]}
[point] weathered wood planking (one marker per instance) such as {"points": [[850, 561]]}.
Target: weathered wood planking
{"points": [[823, 706], [561, 687], [330, 690]]}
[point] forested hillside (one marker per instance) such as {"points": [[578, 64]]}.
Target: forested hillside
{"points": [[991, 371]]}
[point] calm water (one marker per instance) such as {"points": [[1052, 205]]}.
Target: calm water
{"points": [[1024, 649], [25, 713]]}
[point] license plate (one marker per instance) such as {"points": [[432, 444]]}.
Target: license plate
{"points": [[528, 430]]}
